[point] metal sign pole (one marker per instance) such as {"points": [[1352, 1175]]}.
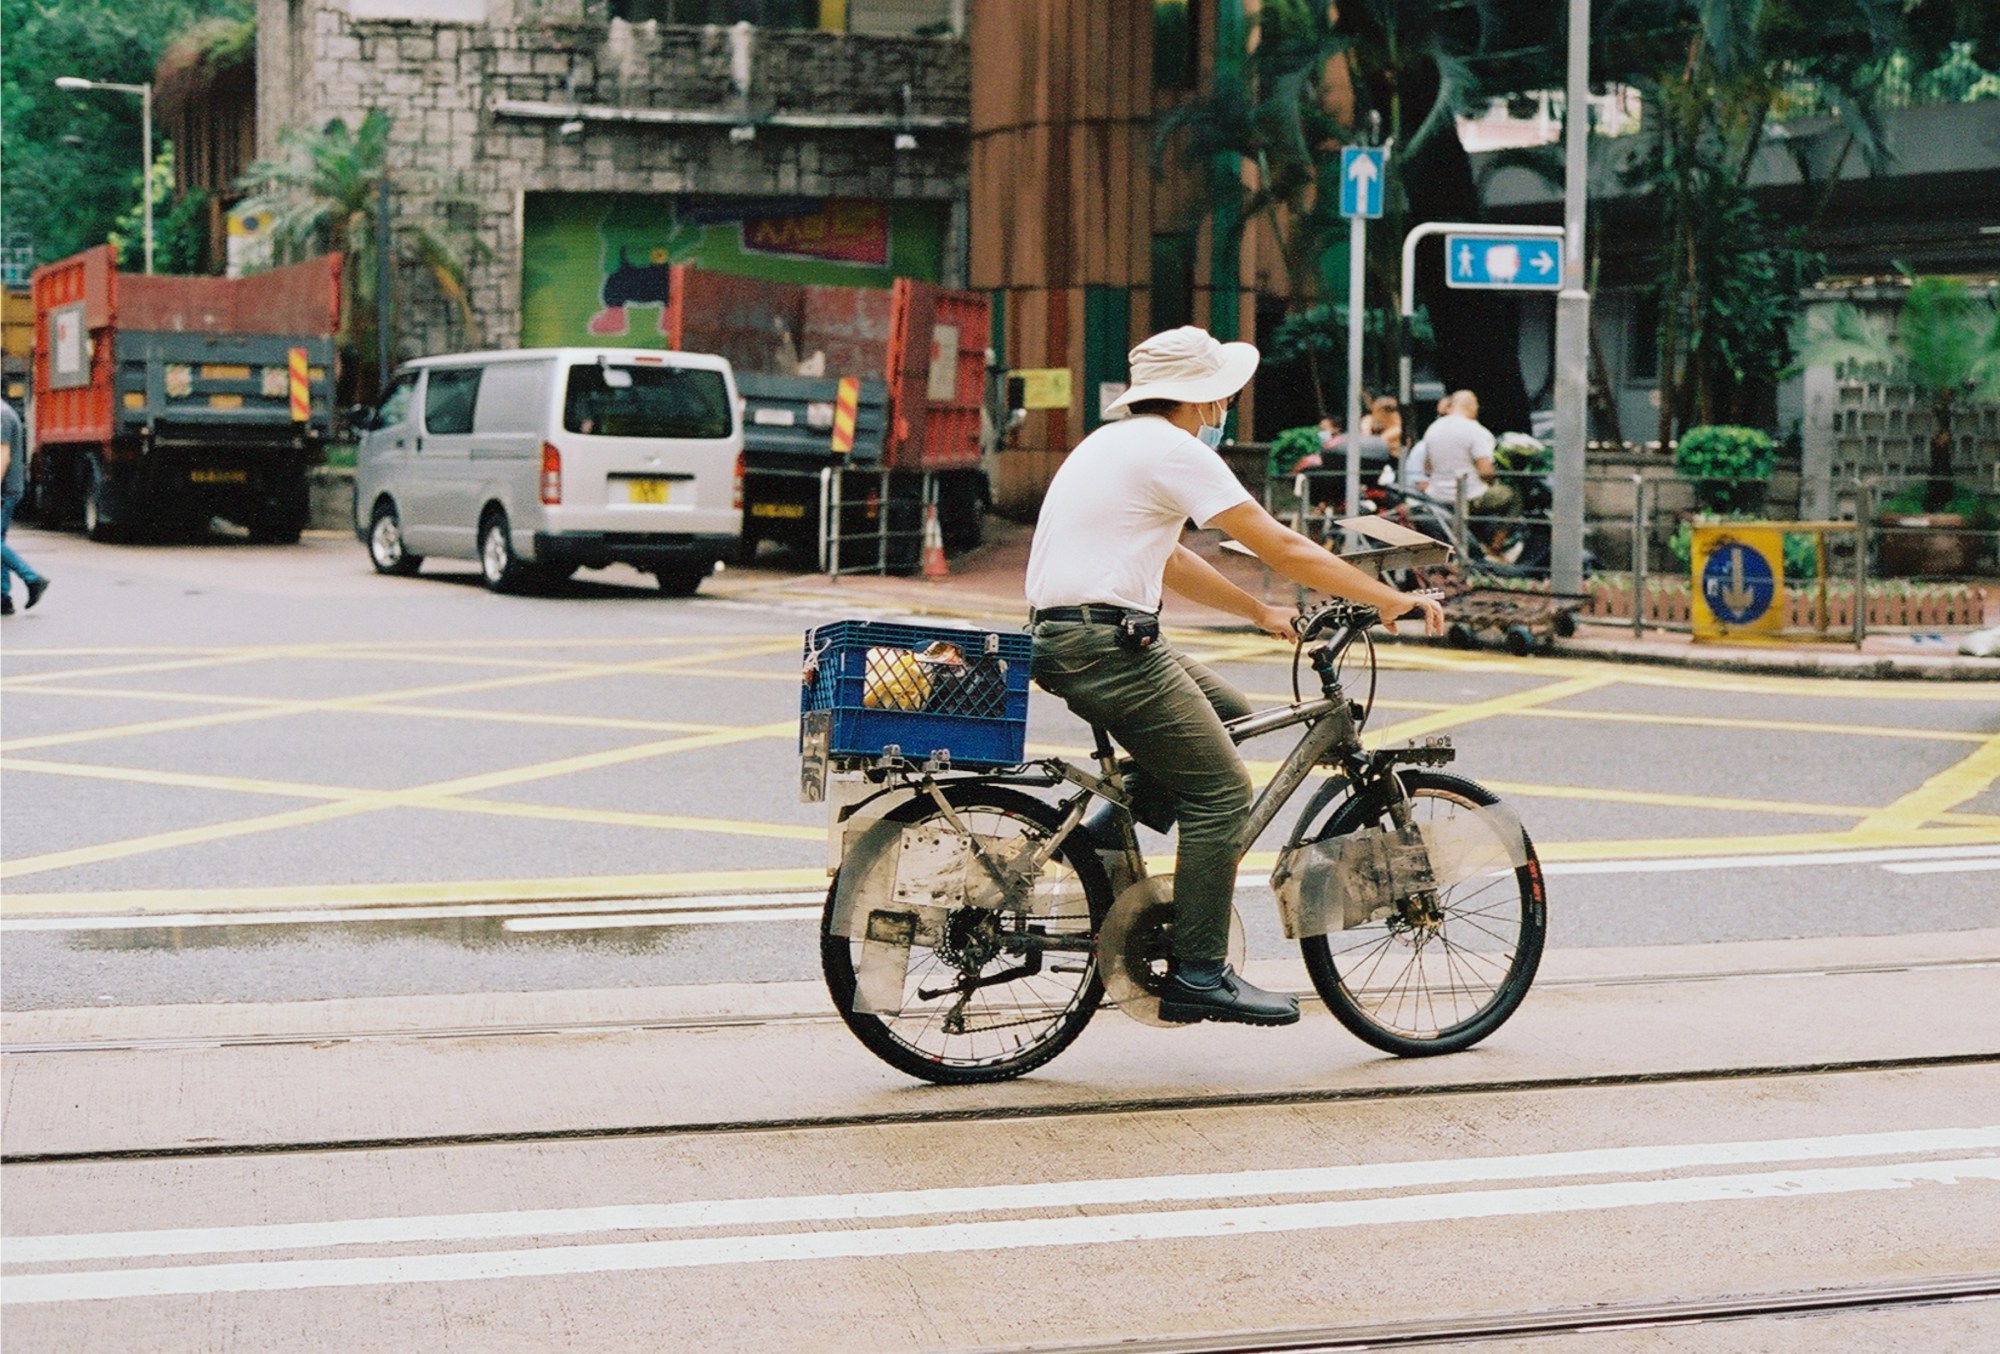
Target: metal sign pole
{"points": [[1357, 258]]}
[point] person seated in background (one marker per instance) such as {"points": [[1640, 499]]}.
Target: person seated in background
{"points": [[1459, 450], [1385, 420]]}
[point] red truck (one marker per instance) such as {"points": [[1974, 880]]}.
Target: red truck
{"points": [[919, 352], [160, 402]]}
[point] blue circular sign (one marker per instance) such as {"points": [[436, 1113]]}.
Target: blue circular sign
{"points": [[1737, 583]]}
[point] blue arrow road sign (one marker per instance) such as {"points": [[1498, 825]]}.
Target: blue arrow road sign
{"points": [[1504, 262], [1737, 583], [1361, 169]]}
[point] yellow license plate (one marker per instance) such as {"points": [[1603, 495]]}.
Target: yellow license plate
{"points": [[645, 491], [219, 476], [789, 512]]}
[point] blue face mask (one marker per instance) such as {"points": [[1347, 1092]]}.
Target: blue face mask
{"points": [[1211, 434]]}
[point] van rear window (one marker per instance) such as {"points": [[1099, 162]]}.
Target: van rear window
{"points": [[657, 402]]}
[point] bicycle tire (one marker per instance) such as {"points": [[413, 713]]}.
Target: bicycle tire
{"points": [[1518, 922], [915, 1041]]}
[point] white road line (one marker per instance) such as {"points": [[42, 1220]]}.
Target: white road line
{"points": [[766, 907], [939, 1239], [620, 921], [745, 902], [1068, 1194], [1943, 866], [1670, 865]]}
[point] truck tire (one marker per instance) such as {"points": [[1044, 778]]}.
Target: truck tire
{"points": [[682, 580], [100, 511], [962, 510]]}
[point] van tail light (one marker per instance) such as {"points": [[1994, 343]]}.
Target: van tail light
{"points": [[551, 474], [737, 500]]}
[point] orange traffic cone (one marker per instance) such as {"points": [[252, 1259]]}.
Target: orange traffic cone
{"points": [[934, 565]]}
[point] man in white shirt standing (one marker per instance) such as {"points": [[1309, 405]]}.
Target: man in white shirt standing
{"points": [[1106, 545], [1460, 452]]}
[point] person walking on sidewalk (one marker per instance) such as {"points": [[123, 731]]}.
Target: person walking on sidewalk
{"points": [[14, 452], [1105, 547]]}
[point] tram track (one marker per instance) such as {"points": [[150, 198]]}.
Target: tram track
{"points": [[1273, 1099], [1596, 1319]]}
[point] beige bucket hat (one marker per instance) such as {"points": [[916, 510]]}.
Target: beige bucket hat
{"points": [[1187, 364]]}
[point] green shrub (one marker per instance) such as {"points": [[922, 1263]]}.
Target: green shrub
{"points": [[1730, 467], [1981, 512], [1288, 446], [1801, 560]]}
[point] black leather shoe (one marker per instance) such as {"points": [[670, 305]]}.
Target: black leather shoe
{"points": [[1216, 992], [6, 606], [36, 587]]}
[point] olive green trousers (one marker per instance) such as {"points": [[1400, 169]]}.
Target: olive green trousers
{"points": [[1166, 711]]}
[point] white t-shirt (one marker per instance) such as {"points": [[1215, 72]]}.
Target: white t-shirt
{"points": [[1456, 443], [1113, 514]]}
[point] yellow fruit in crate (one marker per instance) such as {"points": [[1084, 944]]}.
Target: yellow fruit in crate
{"points": [[894, 679]]}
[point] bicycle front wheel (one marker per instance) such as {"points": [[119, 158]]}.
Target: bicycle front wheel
{"points": [[1440, 985], [988, 992]]}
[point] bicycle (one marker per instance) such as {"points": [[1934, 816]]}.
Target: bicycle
{"points": [[973, 928]]}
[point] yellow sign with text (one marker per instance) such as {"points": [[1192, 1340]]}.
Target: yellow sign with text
{"points": [[1044, 387], [1739, 580]]}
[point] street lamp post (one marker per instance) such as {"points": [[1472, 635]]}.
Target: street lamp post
{"points": [[76, 84]]}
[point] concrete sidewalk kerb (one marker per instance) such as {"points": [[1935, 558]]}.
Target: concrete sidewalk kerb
{"points": [[987, 585]]}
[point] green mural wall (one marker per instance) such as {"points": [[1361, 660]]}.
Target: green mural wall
{"points": [[594, 265]]}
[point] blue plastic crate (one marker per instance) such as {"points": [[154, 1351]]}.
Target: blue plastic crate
{"points": [[888, 685]]}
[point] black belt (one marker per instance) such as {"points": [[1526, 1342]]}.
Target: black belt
{"points": [[1091, 613]]}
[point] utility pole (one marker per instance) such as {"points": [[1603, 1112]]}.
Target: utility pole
{"points": [[1572, 320]]}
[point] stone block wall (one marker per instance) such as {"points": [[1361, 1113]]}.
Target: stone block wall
{"points": [[458, 162]]}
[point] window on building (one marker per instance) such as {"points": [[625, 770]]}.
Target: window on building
{"points": [[763, 13], [1642, 337], [1176, 44], [1173, 281]]}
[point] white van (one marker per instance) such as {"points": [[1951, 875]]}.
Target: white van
{"points": [[540, 461]]}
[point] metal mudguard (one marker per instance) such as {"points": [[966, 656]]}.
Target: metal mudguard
{"points": [[1352, 880], [900, 882]]}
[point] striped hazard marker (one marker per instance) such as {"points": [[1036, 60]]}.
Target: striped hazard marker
{"points": [[846, 405], [301, 387]]}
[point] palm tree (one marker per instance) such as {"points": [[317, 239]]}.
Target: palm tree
{"points": [[1945, 347], [323, 191], [1315, 74]]}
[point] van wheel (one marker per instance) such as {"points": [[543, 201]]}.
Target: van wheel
{"points": [[681, 580], [385, 543], [498, 564]]}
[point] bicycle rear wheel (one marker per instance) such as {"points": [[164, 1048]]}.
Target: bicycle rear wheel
{"points": [[982, 999], [1416, 989]]}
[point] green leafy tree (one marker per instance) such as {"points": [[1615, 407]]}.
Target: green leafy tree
{"points": [[1316, 76], [71, 158], [1945, 346], [180, 225], [322, 191]]}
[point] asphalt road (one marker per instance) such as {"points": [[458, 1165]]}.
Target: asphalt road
{"points": [[311, 781]]}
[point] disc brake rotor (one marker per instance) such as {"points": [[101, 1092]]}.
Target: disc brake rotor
{"points": [[1135, 943]]}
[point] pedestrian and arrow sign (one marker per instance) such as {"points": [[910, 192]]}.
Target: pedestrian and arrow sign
{"points": [[1739, 580], [1361, 180], [1503, 262]]}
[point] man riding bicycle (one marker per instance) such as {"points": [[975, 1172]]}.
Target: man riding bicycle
{"points": [[1105, 547]]}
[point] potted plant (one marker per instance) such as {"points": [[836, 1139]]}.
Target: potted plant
{"points": [[1946, 349]]}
